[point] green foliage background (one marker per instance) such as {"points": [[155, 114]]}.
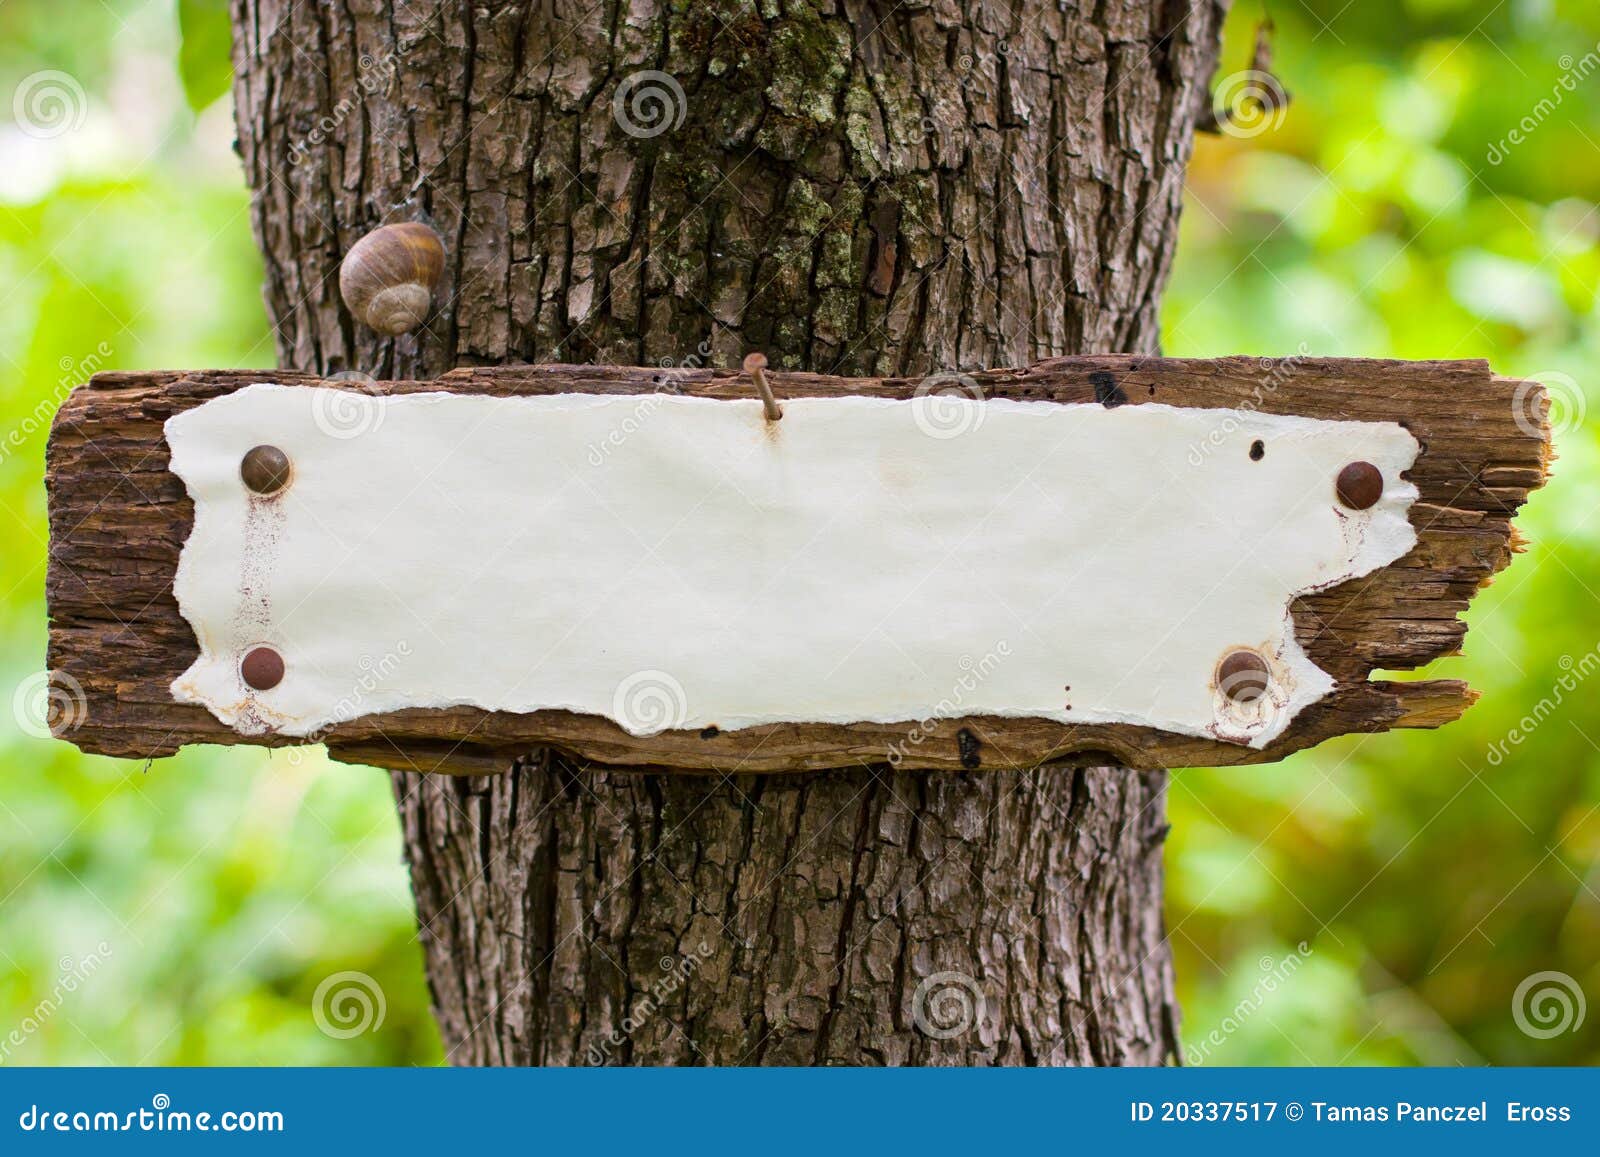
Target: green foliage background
{"points": [[1425, 875]]}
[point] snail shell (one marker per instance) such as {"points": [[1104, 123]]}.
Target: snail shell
{"points": [[388, 277]]}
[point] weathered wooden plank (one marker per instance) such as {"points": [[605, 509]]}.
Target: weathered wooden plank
{"points": [[119, 518]]}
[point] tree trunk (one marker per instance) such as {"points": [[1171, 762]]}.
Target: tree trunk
{"points": [[860, 188]]}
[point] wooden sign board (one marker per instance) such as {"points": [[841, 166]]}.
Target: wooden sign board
{"points": [[1151, 562]]}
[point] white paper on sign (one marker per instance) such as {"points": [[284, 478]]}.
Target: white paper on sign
{"points": [[674, 562]]}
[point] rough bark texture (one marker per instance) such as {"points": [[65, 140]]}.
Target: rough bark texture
{"points": [[850, 187]]}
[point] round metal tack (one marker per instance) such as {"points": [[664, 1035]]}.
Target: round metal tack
{"points": [[265, 469], [1360, 485], [262, 668], [1243, 676]]}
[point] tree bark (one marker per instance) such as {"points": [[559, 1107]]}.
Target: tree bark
{"points": [[857, 188]]}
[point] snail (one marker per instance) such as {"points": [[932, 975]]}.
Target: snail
{"points": [[387, 278]]}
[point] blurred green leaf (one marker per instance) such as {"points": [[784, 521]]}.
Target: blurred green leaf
{"points": [[204, 54]]}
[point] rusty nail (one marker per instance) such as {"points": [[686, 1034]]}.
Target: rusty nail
{"points": [[265, 469], [1360, 485], [1243, 676], [262, 668], [756, 366]]}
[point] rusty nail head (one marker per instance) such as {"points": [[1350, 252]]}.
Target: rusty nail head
{"points": [[1360, 485], [265, 469], [1243, 676], [262, 668]]}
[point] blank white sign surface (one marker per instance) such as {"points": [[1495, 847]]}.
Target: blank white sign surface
{"points": [[673, 562]]}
